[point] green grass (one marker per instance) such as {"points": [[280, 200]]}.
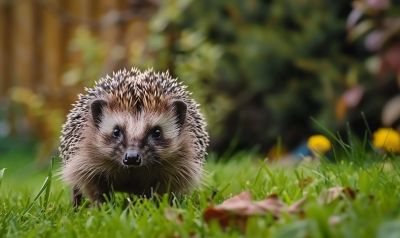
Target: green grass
{"points": [[375, 212]]}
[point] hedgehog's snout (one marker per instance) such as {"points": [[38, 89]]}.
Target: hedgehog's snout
{"points": [[132, 157]]}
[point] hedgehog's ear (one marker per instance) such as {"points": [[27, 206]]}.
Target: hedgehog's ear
{"points": [[97, 109], [180, 109]]}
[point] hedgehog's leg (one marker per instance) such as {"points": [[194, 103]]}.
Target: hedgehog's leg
{"points": [[76, 197], [97, 191]]}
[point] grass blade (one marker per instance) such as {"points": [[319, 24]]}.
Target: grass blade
{"points": [[2, 174], [48, 187], [332, 135], [44, 189], [366, 123]]}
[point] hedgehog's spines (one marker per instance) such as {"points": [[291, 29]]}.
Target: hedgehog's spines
{"points": [[133, 89]]}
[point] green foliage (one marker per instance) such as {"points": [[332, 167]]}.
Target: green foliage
{"points": [[376, 25], [260, 69], [26, 213], [91, 52], [2, 174]]}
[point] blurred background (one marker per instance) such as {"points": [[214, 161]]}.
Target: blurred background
{"points": [[264, 71]]}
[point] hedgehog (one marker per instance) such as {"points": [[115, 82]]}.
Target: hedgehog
{"points": [[137, 132]]}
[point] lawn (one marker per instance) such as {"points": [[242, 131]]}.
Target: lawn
{"points": [[365, 202]]}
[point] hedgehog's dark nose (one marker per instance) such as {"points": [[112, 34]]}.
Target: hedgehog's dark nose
{"points": [[132, 157]]}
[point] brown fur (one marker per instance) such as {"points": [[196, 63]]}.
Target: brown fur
{"points": [[136, 103]]}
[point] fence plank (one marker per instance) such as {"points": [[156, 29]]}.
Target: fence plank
{"points": [[23, 48], [2, 49], [81, 16], [35, 35], [52, 47], [37, 44], [6, 35], [112, 34]]}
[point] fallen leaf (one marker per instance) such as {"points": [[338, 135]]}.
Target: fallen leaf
{"points": [[335, 193], [271, 205], [236, 210], [297, 207]]}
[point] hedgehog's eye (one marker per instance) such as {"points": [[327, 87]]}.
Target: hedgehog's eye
{"points": [[156, 133], [117, 132]]}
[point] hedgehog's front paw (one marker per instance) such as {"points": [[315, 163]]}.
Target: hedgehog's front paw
{"points": [[76, 197]]}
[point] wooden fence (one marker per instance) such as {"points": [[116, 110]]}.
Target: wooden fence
{"points": [[35, 36], [35, 54]]}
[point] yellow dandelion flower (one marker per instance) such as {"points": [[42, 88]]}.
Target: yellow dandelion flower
{"points": [[387, 139], [319, 144]]}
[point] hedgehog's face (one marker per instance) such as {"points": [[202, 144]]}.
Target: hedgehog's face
{"points": [[140, 138]]}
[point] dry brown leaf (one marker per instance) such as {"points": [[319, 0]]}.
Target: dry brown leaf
{"points": [[236, 210], [335, 193], [297, 207]]}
